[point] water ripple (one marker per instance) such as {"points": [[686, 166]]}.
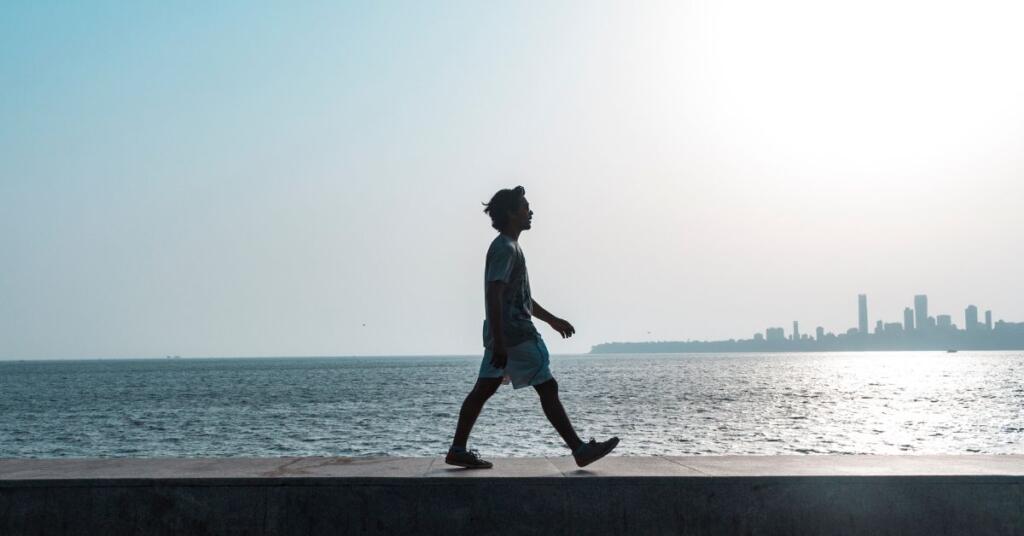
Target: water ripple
{"points": [[841, 403]]}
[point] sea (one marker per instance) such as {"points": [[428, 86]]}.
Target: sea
{"points": [[671, 404]]}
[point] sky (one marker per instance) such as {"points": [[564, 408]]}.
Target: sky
{"points": [[273, 179]]}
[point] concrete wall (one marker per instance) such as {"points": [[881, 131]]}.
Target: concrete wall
{"points": [[615, 505], [869, 505]]}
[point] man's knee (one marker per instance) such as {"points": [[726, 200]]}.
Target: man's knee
{"points": [[548, 389], [484, 388]]}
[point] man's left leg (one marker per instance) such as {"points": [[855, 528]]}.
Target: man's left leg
{"points": [[457, 454], [471, 406]]}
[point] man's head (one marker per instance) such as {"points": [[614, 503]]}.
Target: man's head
{"points": [[509, 210]]}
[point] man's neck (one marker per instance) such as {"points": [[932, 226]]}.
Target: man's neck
{"points": [[512, 233]]}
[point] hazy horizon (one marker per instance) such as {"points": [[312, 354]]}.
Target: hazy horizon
{"points": [[252, 180]]}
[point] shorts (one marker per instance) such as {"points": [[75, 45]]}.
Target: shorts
{"points": [[527, 364]]}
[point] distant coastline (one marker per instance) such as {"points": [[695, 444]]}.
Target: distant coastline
{"points": [[917, 332], [751, 345]]}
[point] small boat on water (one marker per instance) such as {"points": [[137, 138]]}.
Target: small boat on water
{"points": [[951, 351]]}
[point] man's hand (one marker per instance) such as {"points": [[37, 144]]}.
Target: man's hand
{"points": [[499, 356], [563, 327]]}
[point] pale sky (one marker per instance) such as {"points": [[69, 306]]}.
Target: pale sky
{"points": [[244, 179]]}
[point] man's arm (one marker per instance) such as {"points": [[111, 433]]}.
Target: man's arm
{"points": [[494, 297], [563, 327]]}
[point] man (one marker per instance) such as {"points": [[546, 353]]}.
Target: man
{"points": [[513, 350]]}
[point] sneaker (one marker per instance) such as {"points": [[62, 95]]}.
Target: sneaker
{"points": [[589, 453], [470, 459]]}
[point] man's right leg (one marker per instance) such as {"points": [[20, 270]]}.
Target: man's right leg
{"points": [[584, 453], [471, 406], [553, 410]]}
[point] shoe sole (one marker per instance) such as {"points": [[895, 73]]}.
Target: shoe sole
{"points": [[468, 466], [610, 448]]}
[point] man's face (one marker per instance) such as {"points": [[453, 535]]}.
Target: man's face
{"points": [[521, 218]]}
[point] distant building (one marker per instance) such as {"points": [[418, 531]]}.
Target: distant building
{"points": [[908, 319], [944, 322], [819, 333], [893, 327], [796, 330], [988, 320], [921, 311], [759, 337], [879, 327], [971, 318], [1010, 328], [775, 334], [862, 313]]}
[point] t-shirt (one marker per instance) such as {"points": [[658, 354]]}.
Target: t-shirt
{"points": [[506, 262]]}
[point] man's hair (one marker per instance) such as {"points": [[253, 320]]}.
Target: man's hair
{"points": [[503, 202]]}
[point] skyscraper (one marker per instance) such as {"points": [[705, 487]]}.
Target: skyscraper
{"points": [[971, 318], [862, 313], [908, 319], [988, 320], [921, 311], [819, 333], [796, 330]]}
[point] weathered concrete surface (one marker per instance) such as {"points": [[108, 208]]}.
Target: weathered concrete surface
{"points": [[926, 495]]}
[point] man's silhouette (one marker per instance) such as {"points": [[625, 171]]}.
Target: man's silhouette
{"points": [[513, 349]]}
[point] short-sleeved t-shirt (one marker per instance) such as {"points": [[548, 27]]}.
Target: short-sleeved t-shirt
{"points": [[506, 263]]}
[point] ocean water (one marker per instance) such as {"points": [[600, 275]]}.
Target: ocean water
{"points": [[679, 404]]}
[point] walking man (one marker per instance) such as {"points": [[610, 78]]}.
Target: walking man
{"points": [[513, 349]]}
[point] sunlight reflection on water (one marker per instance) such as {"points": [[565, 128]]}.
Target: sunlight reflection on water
{"points": [[680, 404]]}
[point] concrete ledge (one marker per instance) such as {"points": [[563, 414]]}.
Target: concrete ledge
{"points": [[650, 495]]}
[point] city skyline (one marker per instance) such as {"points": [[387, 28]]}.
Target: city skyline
{"points": [[913, 320], [917, 331]]}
